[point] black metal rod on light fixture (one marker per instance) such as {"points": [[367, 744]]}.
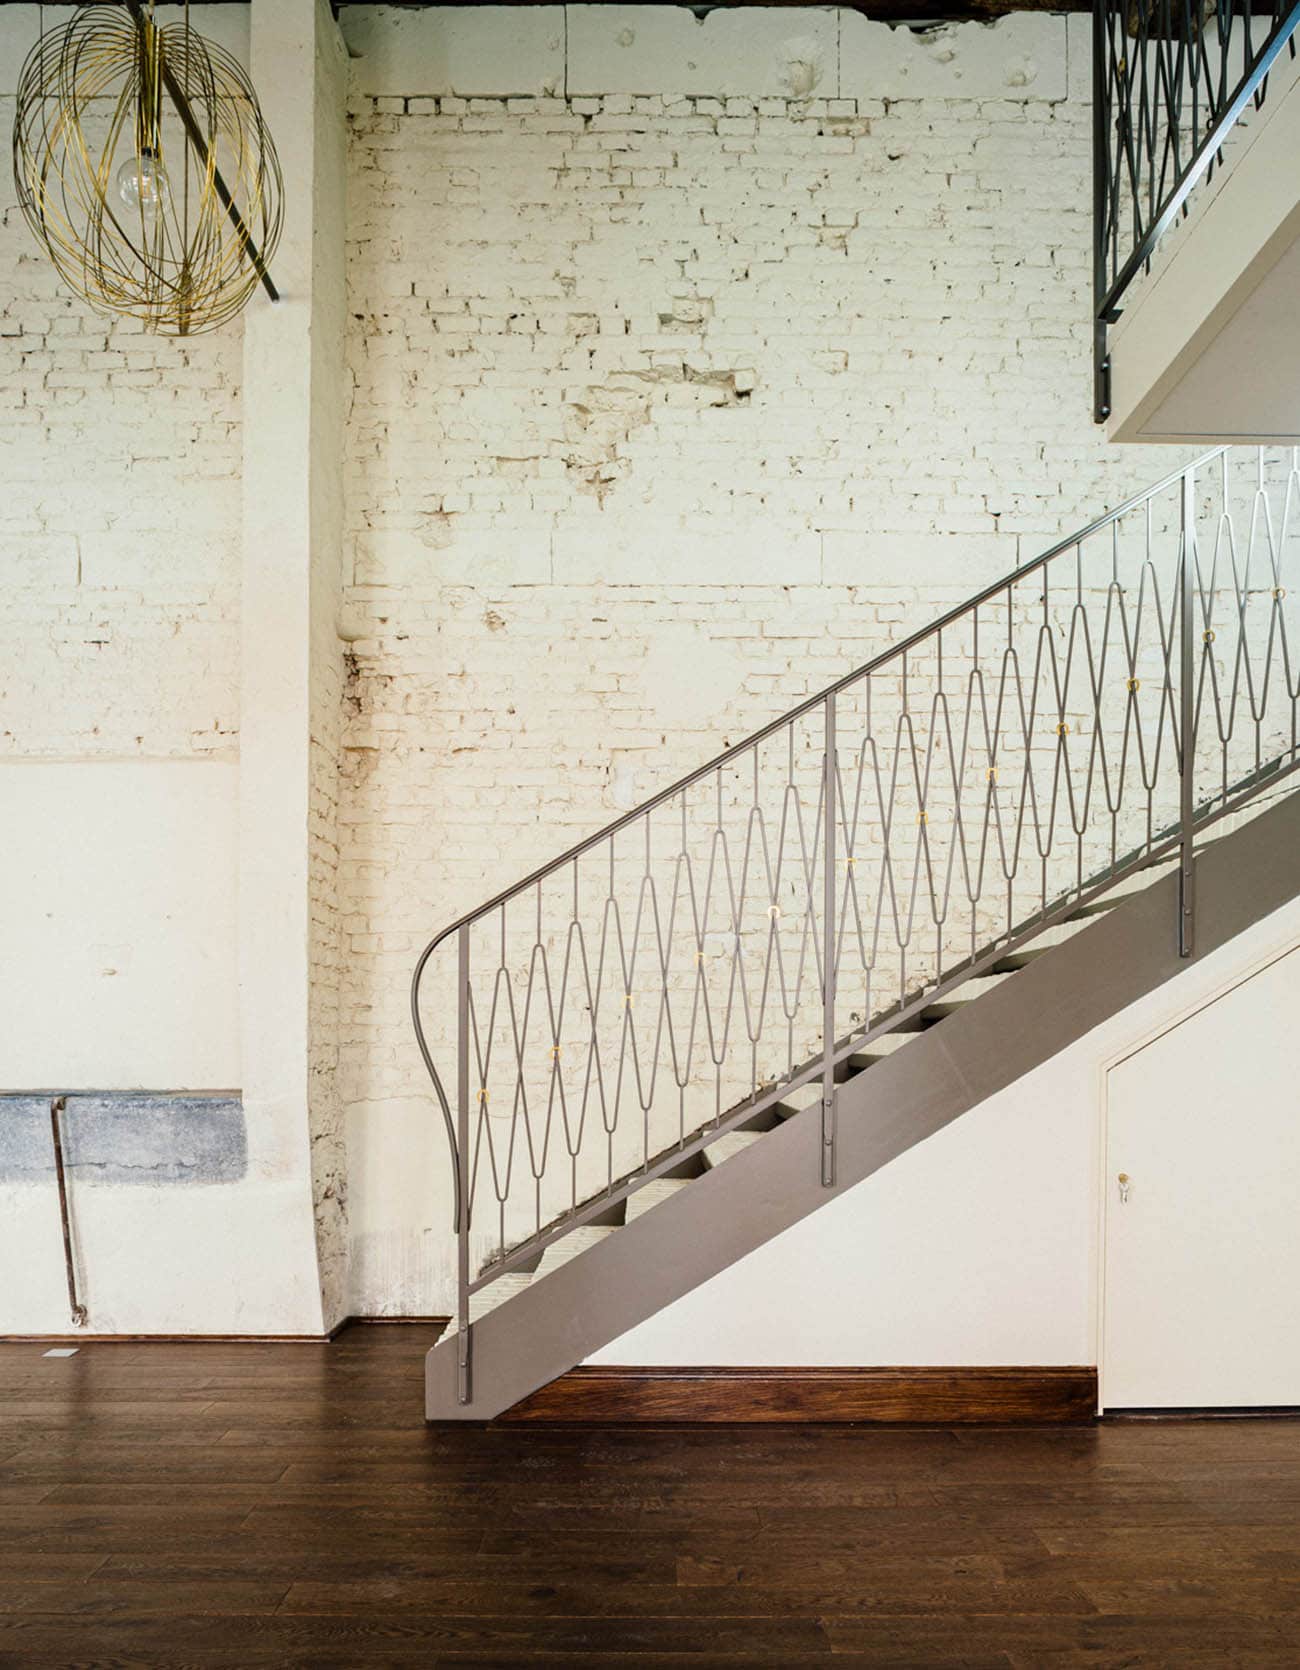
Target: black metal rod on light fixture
{"points": [[194, 133]]}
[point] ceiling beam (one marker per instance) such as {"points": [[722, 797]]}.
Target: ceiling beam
{"points": [[884, 11]]}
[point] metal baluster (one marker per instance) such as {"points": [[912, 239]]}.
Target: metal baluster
{"points": [[1187, 700], [462, 1164], [829, 937], [1101, 140]]}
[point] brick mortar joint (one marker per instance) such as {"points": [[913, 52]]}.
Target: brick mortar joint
{"points": [[771, 106]]}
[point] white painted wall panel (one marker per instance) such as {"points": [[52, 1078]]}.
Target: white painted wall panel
{"points": [[1019, 57], [218, 1260], [455, 49], [777, 51], [118, 899], [971, 1248]]}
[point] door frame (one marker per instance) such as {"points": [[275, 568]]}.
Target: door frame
{"points": [[1267, 959]]}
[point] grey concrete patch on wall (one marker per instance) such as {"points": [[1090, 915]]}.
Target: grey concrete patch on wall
{"points": [[141, 1137]]}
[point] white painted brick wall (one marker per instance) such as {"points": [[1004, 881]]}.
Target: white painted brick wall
{"points": [[119, 523], [667, 410]]}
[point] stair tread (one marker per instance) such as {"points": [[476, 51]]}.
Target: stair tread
{"points": [[654, 1194], [888, 1043], [973, 989], [795, 1101], [725, 1147], [1047, 940], [488, 1298], [569, 1246], [1138, 882]]}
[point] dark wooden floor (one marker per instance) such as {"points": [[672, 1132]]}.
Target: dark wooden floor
{"points": [[285, 1504]]}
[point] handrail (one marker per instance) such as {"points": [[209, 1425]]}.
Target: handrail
{"points": [[1154, 54], [1151, 627]]}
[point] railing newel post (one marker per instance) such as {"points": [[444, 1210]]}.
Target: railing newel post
{"points": [[829, 937], [1187, 723]]}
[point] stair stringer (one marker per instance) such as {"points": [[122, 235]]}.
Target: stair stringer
{"points": [[551, 1327]]}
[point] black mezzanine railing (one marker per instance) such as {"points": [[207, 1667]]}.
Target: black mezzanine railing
{"points": [[1170, 81]]}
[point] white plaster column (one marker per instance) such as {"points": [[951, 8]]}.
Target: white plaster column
{"points": [[291, 673]]}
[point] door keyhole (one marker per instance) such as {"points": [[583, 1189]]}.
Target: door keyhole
{"points": [[1125, 1184]]}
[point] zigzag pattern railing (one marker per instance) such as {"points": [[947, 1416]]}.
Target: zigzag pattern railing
{"points": [[749, 927]]}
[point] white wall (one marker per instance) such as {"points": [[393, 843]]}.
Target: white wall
{"points": [[692, 364], [117, 896], [119, 557], [688, 364], [131, 680], [119, 720], [978, 1246], [224, 1259], [291, 654]]}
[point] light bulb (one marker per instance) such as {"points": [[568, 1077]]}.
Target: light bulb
{"points": [[142, 183]]}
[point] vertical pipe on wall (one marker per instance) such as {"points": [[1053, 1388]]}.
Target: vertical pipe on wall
{"points": [[78, 1310]]}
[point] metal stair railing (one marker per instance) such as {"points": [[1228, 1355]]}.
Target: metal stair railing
{"points": [[751, 926]]}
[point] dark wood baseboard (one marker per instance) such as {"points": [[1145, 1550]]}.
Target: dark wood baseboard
{"points": [[91, 1338], [400, 1321], [881, 1395]]}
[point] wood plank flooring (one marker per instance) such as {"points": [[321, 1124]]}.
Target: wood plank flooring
{"points": [[249, 1505]]}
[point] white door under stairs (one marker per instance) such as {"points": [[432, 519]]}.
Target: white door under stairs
{"points": [[1202, 1207]]}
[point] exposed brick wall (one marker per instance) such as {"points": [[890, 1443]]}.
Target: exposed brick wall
{"points": [[119, 524], [666, 411]]}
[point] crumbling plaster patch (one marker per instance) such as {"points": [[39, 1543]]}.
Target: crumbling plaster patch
{"points": [[600, 419]]}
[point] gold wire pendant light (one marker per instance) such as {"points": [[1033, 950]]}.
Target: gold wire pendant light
{"points": [[144, 167]]}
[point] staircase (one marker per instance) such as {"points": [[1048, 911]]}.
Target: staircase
{"points": [[746, 996]]}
